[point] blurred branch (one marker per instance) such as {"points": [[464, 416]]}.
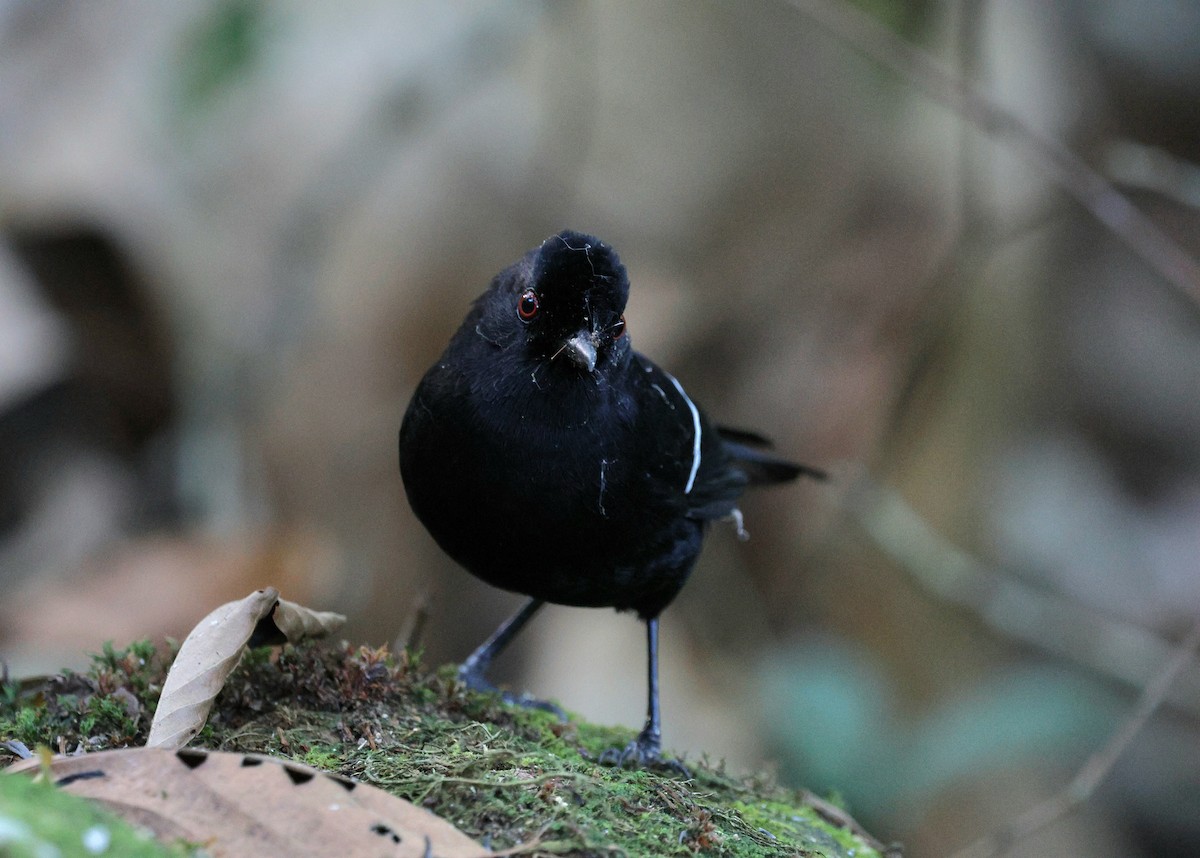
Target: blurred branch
{"points": [[969, 237], [1084, 784], [1107, 645], [1095, 193], [969, 41], [1150, 168]]}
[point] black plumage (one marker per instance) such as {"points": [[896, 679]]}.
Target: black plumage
{"points": [[549, 458]]}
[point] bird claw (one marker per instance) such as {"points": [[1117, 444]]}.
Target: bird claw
{"points": [[527, 701], [642, 753], [476, 681]]}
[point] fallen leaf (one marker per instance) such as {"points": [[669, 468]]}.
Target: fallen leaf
{"points": [[241, 804], [208, 655], [298, 622], [213, 649]]}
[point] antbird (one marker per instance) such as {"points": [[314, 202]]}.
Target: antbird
{"points": [[549, 458]]}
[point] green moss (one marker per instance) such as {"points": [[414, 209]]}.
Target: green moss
{"points": [[109, 706], [324, 758], [504, 775], [785, 821], [37, 819]]}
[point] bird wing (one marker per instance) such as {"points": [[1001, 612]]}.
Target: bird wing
{"points": [[690, 465], [700, 468]]}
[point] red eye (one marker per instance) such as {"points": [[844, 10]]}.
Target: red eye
{"points": [[527, 305], [618, 330]]}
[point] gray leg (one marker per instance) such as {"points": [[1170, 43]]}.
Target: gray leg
{"points": [[646, 749], [473, 672]]}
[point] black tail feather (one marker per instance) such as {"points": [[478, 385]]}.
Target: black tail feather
{"points": [[762, 468]]}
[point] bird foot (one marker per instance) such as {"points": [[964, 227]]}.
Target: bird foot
{"points": [[476, 681], [528, 701], [644, 752]]}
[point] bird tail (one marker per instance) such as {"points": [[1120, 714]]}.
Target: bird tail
{"points": [[762, 469]]}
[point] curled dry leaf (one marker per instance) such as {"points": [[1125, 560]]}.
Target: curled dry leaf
{"points": [[208, 655], [237, 804], [213, 649], [298, 622]]}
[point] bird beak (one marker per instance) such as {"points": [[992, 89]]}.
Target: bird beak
{"points": [[582, 351]]}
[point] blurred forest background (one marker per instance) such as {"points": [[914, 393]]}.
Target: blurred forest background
{"points": [[234, 234]]}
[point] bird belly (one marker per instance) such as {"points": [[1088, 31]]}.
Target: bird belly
{"points": [[557, 518]]}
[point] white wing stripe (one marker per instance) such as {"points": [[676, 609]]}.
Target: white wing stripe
{"points": [[695, 433]]}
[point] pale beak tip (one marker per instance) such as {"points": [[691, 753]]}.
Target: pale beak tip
{"points": [[581, 351]]}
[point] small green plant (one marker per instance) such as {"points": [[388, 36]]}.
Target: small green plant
{"points": [[107, 706]]}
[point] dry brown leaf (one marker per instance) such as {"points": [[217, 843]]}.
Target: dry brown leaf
{"points": [[237, 804], [208, 655], [213, 649], [298, 622]]}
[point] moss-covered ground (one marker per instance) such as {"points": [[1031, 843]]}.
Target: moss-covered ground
{"points": [[509, 777]]}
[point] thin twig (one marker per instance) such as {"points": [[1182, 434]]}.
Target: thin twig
{"points": [[1096, 769], [414, 624], [958, 578], [1095, 193], [1013, 607]]}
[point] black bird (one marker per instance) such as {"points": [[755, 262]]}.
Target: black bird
{"points": [[548, 457]]}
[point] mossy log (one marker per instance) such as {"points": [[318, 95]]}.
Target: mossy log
{"points": [[512, 778]]}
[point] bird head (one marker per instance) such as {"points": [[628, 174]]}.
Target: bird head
{"points": [[563, 303]]}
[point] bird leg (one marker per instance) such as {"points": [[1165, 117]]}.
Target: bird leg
{"points": [[646, 749], [473, 672]]}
